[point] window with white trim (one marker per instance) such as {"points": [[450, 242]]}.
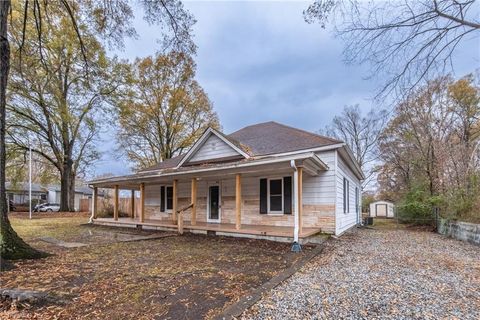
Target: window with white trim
{"points": [[346, 195], [275, 196]]}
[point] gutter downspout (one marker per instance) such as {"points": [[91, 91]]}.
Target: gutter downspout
{"points": [[93, 206], [296, 247]]}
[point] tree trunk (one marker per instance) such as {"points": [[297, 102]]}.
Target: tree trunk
{"points": [[71, 191], [11, 245], [64, 184]]}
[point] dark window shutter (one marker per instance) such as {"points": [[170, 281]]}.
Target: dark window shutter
{"points": [[263, 196], [287, 195], [162, 199]]}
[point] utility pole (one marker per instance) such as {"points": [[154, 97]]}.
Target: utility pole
{"points": [[30, 177]]}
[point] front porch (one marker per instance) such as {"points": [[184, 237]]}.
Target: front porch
{"points": [[229, 229]]}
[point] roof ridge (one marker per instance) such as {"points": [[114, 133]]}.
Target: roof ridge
{"points": [[305, 131]]}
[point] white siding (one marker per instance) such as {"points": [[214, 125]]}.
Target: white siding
{"points": [[344, 221], [321, 189], [213, 148]]}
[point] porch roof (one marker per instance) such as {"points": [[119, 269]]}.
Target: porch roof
{"points": [[311, 163]]}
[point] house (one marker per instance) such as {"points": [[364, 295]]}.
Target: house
{"points": [[382, 208], [19, 193], [81, 192], [266, 180]]}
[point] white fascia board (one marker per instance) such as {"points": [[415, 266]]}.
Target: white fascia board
{"points": [[301, 151], [271, 160]]}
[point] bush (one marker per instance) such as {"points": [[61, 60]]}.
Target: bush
{"points": [[418, 207]]}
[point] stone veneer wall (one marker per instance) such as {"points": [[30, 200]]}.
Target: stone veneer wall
{"points": [[319, 216]]}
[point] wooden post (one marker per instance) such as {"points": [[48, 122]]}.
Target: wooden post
{"points": [[94, 203], [174, 200], [133, 205], [142, 202], [300, 200], [238, 201], [193, 220], [115, 204], [180, 222]]}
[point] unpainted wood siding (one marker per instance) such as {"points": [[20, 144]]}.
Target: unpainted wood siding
{"points": [[344, 221], [213, 148]]}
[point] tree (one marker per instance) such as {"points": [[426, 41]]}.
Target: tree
{"points": [[55, 107], [112, 21], [408, 41], [430, 146], [165, 111], [361, 134]]}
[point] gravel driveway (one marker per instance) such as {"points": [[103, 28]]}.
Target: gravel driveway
{"points": [[372, 274]]}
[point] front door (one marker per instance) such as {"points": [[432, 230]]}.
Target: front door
{"points": [[214, 203]]}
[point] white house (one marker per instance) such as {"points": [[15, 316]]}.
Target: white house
{"points": [[382, 208], [266, 181]]}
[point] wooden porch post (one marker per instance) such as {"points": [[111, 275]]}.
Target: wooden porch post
{"points": [[115, 203], [142, 202], [238, 201], [94, 203], [193, 220], [133, 205], [300, 200], [174, 200]]}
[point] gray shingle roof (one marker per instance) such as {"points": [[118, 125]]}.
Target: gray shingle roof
{"points": [[272, 137], [264, 139]]}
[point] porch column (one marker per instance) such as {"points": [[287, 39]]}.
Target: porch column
{"points": [[238, 201], [142, 202], [300, 200], [94, 202], [174, 200], [193, 220], [133, 205], [115, 203]]}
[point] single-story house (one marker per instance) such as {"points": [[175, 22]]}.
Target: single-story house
{"points": [[382, 208], [18, 193], [266, 180]]}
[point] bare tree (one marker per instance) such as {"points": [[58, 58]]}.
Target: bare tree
{"points": [[408, 41], [361, 134]]}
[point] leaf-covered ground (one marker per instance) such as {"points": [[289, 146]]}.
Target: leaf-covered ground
{"points": [[190, 276]]}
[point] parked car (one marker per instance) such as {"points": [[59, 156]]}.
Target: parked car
{"points": [[49, 207], [38, 206]]}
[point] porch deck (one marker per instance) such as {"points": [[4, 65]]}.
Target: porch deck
{"points": [[246, 229]]}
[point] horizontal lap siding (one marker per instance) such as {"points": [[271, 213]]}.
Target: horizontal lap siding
{"points": [[213, 148], [318, 200], [344, 221]]}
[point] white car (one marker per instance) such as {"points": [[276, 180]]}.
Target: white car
{"points": [[49, 207]]}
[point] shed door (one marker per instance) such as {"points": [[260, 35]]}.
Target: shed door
{"points": [[381, 210]]}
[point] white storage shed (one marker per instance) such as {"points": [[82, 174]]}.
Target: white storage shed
{"points": [[385, 209]]}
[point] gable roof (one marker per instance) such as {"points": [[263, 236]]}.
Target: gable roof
{"points": [[200, 142], [261, 139]]}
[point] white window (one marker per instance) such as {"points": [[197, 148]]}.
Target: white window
{"points": [[346, 195], [168, 198], [275, 196]]}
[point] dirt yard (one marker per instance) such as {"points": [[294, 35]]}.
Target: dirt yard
{"points": [[190, 276], [389, 271]]}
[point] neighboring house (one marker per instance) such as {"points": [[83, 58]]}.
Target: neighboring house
{"points": [[54, 192], [266, 181], [19, 193], [382, 208]]}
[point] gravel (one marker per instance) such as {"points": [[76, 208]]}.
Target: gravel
{"points": [[387, 274]]}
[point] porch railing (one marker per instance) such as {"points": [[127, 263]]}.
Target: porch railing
{"points": [[180, 217]]}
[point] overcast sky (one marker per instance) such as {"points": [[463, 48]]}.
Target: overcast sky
{"points": [[260, 61]]}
